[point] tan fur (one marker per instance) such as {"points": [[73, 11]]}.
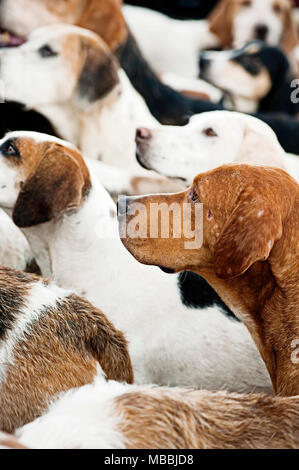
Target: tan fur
{"points": [[221, 22], [196, 95], [104, 17], [62, 351], [249, 255], [182, 419]]}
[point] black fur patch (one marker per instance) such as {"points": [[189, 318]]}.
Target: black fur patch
{"points": [[15, 117], [167, 105], [197, 293], [180, 9]]}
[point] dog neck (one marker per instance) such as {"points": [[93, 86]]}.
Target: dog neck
{"points": [[82, 251], [266, 299], [106, 129]]}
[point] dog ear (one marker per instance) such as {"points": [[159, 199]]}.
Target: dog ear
{"points": [[270, 152], [290, 34], [56, 186], [105, 18], [99, 74], [248, 236], [220, 20]]}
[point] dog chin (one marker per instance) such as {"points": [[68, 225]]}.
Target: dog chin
{"points": [[141, 162]]}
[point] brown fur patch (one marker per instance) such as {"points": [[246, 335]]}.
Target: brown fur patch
{"points": [[55, 179], [105, 18], [180, 419], [99, 73], [253, 236], [61, 351]]}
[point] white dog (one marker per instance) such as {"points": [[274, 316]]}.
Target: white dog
{"points": [[208, 141]]}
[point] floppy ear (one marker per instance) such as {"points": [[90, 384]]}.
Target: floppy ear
{"points": [[55, 187], [290, 35], [105, 18], [269, 151], [99, 73], [248, 236], [221, 22]]}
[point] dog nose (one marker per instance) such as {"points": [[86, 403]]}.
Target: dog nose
{"points": [[143, 134], [261, 31], [203, 62]]}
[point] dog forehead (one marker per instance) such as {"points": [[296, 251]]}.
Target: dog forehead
{"points": [[60, 31]]}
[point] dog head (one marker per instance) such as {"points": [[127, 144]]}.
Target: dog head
{"points": [[248, 74], [242, 208], [236, 22], [208, 141], [59, 64], [104, 17], [41, 177]]}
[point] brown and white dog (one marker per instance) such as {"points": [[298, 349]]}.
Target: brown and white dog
{"points": [[51, 340], [116, 416], [98, 110], [249, 254], [104, 17], [236, 22]]}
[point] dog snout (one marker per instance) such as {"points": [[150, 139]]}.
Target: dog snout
{"points": [[143, 134], [261, 31]]}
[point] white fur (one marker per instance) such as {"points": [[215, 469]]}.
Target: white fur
{"points": [[248, 17], [82, 418], [169, 343], [14, 248], [169, 45], [190, 84], [186, 151], [39, 297]]}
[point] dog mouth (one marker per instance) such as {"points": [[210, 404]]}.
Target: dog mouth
{"points": [[9, 39], [167, 270]]}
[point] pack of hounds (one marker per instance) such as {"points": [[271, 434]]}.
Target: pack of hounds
{"points": [[115, 341]]}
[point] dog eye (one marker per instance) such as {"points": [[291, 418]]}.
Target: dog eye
{"points": [[246, 3], [209, 132], [9, 150], [193, 195], [46, 51], [277, 8]]}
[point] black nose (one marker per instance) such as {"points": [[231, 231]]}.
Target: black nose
{"points": [[261, 31], [143, 134], [122, 206], [203, 63]]}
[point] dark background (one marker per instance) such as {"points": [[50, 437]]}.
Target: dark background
{"points": [[181, 9]]}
